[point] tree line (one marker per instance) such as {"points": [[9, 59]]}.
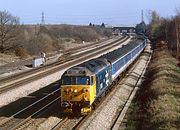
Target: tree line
{"points": [[9, 28], [27, 40], [165, 29]]}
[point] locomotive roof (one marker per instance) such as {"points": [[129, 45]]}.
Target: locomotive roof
{"points": [[78, 71], [87, 68], [113, 56], [95, 65]]}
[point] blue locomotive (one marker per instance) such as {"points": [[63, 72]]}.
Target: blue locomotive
{"points": [[81, 85]]}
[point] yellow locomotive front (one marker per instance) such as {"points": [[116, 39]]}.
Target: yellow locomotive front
{"points": [[78, 90]]}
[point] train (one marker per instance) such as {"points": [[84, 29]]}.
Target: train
{"points": [[83, 84]]}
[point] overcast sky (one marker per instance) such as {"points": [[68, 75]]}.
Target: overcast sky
{"points": [[113, 12]]}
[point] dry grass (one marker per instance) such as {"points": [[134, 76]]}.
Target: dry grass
{"points": [[7, 57], [51, 38], [158, 101]]}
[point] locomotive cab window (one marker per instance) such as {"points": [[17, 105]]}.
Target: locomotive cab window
{"points": [[76, 80], [83, 80], [66, 81]]}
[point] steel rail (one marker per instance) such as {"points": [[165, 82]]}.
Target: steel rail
{"points": [[60, 124], [34, 114], [26, 108]]}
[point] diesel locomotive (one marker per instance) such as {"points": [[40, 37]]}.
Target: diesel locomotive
{"points": [[83, 84]]}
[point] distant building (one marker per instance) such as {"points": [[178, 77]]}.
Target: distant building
{"points": [[121, 30]]}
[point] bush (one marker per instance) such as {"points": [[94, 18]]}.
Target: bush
{"points": [[107, 33], [50, 38], [22, 53]]}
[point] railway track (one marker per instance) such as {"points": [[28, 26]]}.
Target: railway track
{"points": [[69, 123], [33, 75], [60, 124], [25, 116], [121, 111], [87, 46]]}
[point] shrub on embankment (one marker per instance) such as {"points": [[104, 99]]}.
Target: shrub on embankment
{"points": [[157, 104]]}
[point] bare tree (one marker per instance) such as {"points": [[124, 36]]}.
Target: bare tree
{"points": [[154, 27], [154, 17], [8, 30], [177, 23], [177, 35]]}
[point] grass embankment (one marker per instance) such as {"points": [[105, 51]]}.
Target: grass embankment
{"points": [[157, 103]]}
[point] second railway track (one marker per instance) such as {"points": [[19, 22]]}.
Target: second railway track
{"points": [[57, 66], [27, 114], [66, 54]]}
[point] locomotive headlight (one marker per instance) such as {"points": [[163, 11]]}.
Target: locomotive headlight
{"points": [[75, 91]]}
